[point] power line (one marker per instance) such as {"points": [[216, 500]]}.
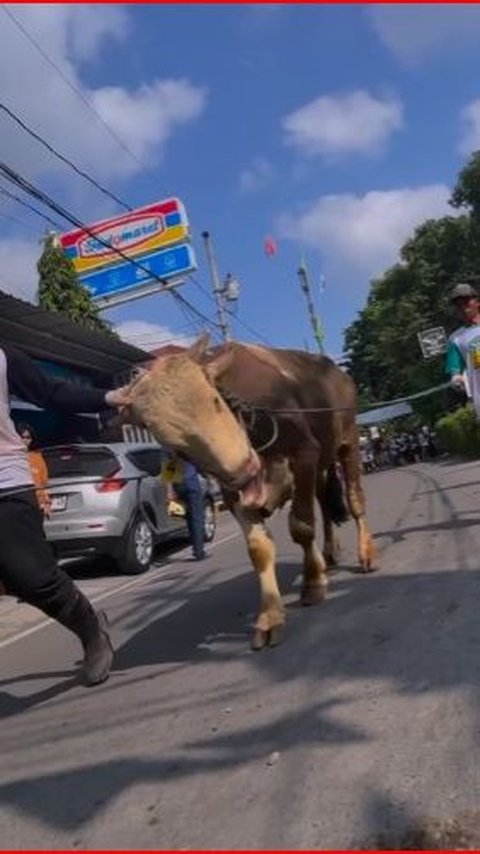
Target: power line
{"points": [[18, 221], [13, 197], [71, 85], [249, 328], [92, 181], [245, 325], [82, 172], [36, 136], [77, 169], [29, 188]]}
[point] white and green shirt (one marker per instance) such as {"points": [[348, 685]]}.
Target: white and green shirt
{"points": [[463, 357]]}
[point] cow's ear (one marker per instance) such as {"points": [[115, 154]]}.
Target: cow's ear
{"points": [[197, 351], [220, 363]]}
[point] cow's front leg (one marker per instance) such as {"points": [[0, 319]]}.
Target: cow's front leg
{"points": [[269, 625], [302, 531]]}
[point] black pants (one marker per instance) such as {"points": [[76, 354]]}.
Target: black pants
{"points": [[193, 500], [28, 568]]}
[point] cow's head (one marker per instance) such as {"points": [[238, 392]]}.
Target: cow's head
{"points": [[177, 400]]}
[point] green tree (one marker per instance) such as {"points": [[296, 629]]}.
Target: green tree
{"points": [[466, 193], [59, 289], [385, 356]]}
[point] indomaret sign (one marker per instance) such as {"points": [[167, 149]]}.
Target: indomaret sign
{"points": [[155, 239]]}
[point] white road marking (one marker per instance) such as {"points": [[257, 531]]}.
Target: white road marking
{"points": [[150, 575]]}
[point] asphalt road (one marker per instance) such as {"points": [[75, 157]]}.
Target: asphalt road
{"points": [[363, 727]]}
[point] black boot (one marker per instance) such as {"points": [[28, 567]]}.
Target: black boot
{"points": [[92, 629]]}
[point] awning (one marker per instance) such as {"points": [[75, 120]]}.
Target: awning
{"points": [[24, 406], [384, 413], [53, 337]]}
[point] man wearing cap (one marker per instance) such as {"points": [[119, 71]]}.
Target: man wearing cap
{"points": [[463, 352]]}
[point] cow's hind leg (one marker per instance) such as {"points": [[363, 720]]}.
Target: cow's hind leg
{"points": [[270, 622], [331, 544], [302, 531], [351, 466]]}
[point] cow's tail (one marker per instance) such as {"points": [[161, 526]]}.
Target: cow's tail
{"points": [[335, 502]]}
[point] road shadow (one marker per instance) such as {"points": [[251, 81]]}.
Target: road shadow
{"points": [[417, 633], [104, 567], [404, 829], [420, 633]]}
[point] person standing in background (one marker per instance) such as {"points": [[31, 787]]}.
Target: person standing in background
{"points": [[38, 466], [184, 483]]}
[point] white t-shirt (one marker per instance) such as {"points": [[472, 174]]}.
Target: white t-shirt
{"points": [[466, 342]]}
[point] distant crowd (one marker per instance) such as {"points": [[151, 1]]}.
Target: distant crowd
{"points": [[380, 450]]}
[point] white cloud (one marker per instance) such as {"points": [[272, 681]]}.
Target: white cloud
{"points": [[145, 117], [470, 128], [256, 176], [89, 28], [365, 233], [356, 122], [18, 267], [157, 109], [150, 336], [414, 33]]}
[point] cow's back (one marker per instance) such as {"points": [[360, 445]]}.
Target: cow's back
{"points": [[293, 382]]}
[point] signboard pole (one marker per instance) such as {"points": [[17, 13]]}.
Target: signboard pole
{"points": [[217, 290]]}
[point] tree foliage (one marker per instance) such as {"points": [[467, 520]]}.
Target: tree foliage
{"points": [[385, 356], [59, 289]]}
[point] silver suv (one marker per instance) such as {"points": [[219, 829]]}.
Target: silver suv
{"points": [[108, 517]]}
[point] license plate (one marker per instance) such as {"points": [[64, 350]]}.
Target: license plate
{"points": [[58, 502]]}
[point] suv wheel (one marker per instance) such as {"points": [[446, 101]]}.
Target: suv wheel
{"points": [[137, 548], [209, 521]]}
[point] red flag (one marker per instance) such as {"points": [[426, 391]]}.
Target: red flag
{"points": [[270, 246]]}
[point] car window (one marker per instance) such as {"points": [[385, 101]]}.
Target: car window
{"points": [[148, 460], [78, 461]]}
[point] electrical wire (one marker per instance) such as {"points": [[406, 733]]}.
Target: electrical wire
{"points": [[70, 85], [81, 172], [245, 325], [10, 113], [17, 221], [19, 181], [23, 203]]}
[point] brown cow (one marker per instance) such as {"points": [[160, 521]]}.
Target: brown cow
{"points": [[299, 411]]}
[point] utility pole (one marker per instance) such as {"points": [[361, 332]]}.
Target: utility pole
{"points": [[218, 291], [314, 319]]}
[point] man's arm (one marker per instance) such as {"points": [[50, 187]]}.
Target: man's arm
{"points": [[454, 363], [28, 382]]}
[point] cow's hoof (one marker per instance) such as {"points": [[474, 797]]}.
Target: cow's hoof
{"points": [[276, 635], [313, 595], [367, 565], [267, 637], [330, 559]]}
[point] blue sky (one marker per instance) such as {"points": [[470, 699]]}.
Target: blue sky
{"points": [[336, 129]]}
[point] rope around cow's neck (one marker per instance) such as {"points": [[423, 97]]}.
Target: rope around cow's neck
{"points": [[250, 407], [240, 405]]}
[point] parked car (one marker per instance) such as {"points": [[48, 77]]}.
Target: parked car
{"points": [[110, 517]]}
